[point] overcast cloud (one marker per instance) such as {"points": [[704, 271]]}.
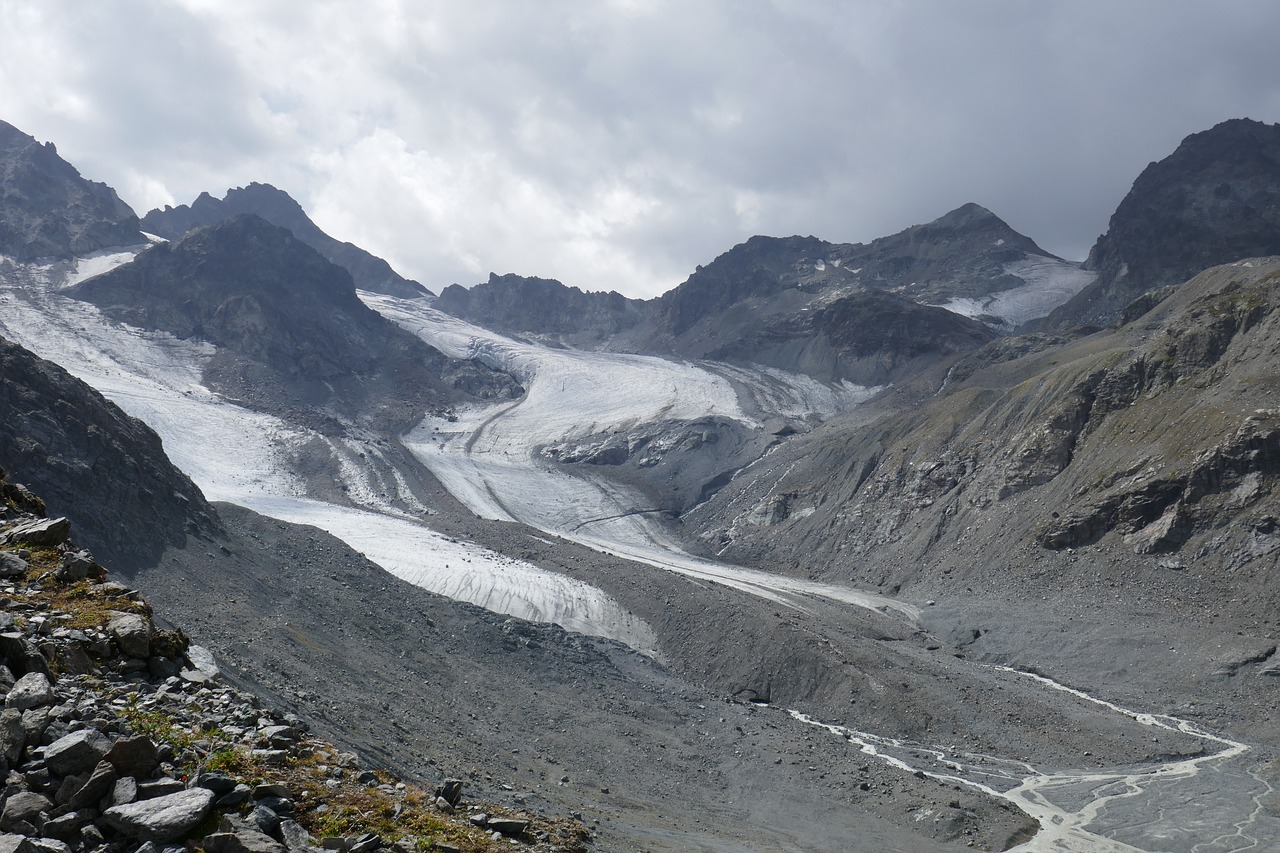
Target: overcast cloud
{"points": [[615, 145]]}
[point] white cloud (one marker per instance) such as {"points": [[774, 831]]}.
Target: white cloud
{"points": [[617, 145]]}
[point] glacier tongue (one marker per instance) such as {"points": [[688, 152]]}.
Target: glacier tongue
{"points": [[238, 456], [488, 457]]}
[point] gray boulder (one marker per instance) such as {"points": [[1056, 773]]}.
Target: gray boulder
{"points": [[32, 690], [10, 843], [11, 565], [163, 819], [76, 752], [508, 825], [45, 532], [13, 737], [24, 806], [296, 838], [75, 566], [101, 782], [132, 633], [134, 756]]}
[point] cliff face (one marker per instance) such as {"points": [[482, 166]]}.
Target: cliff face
{"points": [[1214, 200], [94, 463], [47, 210]]}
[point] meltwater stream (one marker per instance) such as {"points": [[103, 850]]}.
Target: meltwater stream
{"points": [[1209, 803]]}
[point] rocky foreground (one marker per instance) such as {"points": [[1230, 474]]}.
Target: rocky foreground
{"points": [[118, 735]]}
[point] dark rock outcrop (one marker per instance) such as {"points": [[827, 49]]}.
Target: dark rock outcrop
{"points": [[94, 463], [518, 305], [277, 207], [1214, 200], [291, 331], [47, 210], [870, 337]]}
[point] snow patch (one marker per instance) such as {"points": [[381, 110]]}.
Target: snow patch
{"points": [[1049, 283]]}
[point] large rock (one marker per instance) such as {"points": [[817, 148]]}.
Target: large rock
{"points": [[76, 752], [13, 737], [99, 784], [132, 633], [134, 756], [32, 690], [10, 843], [23, 806], [11, 565], [163, 819], [43, 532]]}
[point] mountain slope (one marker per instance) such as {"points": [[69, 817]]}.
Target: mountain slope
{"points": [[543, 308], [1136, 470], [94, 463], [290, 330], [276, 206], [805, 305], [47, 210], [1214, 200]]}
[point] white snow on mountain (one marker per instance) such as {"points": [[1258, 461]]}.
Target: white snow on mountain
{"points": [[487, 457], [236, 455], [1049, 283]]}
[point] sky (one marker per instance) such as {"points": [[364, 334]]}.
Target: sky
{"points": [[618, 144]]}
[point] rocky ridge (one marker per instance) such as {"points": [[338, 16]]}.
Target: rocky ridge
{"points": [[277, 207], [1214, 200], [829, 310], [47, 210], [117, 735], [290, 330], [84, 451]]}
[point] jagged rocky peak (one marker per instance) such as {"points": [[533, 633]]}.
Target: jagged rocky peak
{"points": [[48, 210], [760, 267], [1214, 200], [279, 208], [517, 304], [290, 330]]}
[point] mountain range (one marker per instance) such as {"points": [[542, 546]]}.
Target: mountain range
{"points": [[939, 527]]}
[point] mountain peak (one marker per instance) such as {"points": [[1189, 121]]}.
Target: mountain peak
{"points": [[1214, 200], [968, 213], [48, 210], [279, 208]]}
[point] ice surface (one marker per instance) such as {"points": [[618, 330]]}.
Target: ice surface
{"points": [[1049, 283], [488, 457], [236, 455]]}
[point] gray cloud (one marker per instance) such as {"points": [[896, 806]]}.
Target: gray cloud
{"points": [[616, 145]]}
